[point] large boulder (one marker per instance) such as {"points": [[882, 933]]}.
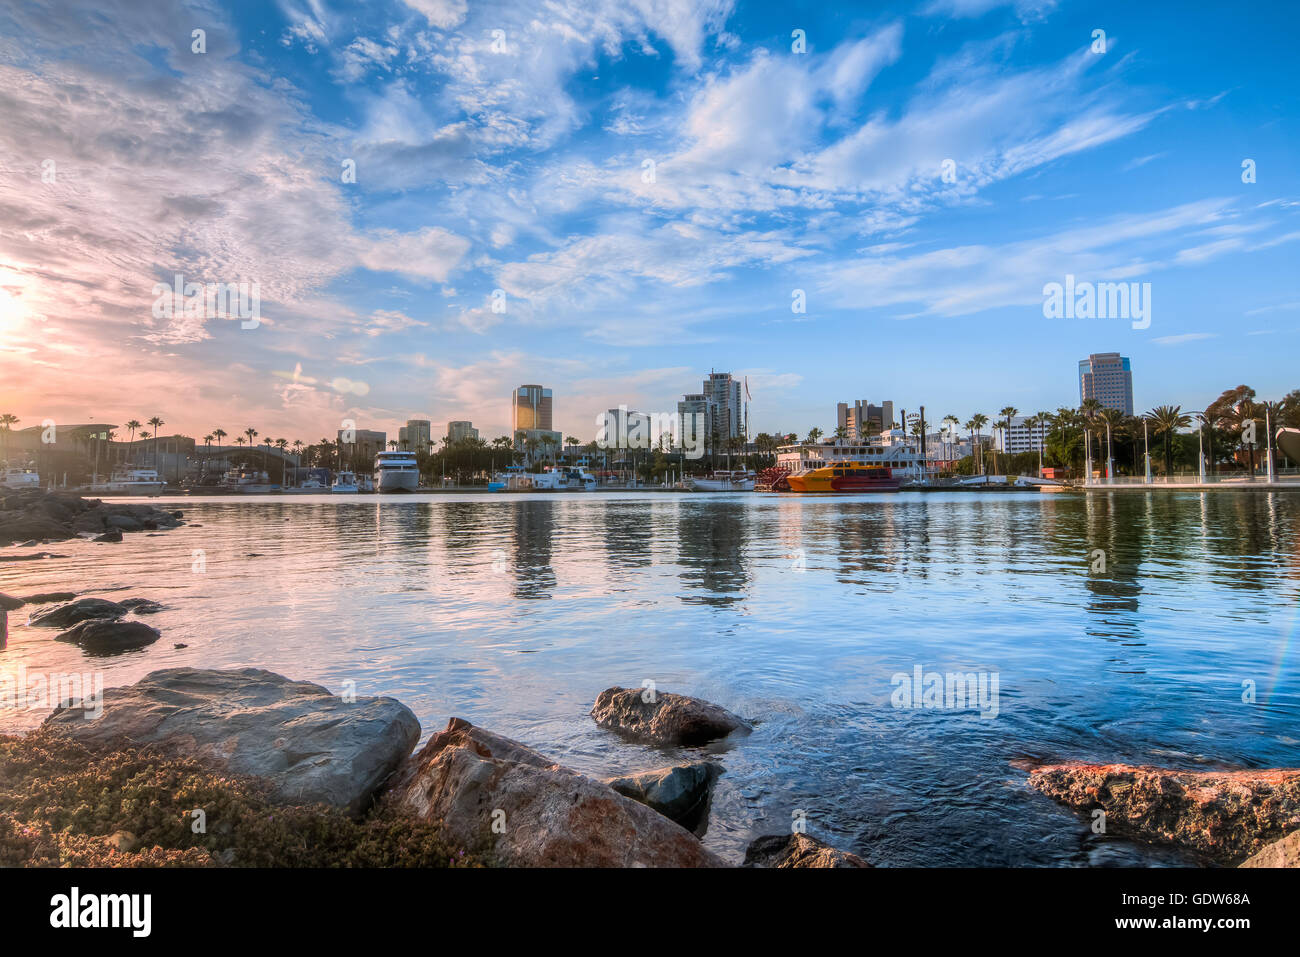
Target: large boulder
{"points": [[797, 850], [527, 811], [44, 598], [1224, 815], [680, 792], [82, 609], [1283, 853], [104, 636], [660, 717], [10, 602], [309, 745]]}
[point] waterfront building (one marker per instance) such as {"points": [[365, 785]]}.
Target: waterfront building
{"points": [[693, 408], [1025, 435], [415, 436], [531, 409], [723, 392], [861, 420], [1108, 378], [364, 443], [460, 430]]}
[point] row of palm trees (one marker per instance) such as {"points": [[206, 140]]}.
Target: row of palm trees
{"points": [[1072, 430]]}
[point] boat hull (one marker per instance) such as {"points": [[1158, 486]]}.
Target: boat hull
{"points": [[841, 483], [394, 481]]}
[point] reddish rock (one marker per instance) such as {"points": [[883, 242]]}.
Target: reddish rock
{"points": [[798, 850], [1283, 853], [489, 792], [1224, 815], [670, 719]]}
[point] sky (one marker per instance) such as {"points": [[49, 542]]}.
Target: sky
{"points": [[439, 200]]}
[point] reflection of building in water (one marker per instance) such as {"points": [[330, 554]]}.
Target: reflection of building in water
{"points": [[534, 523], [1116, 541], [711, 542], [629, 532]]}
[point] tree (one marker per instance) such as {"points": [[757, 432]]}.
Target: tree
{"points": [[979, 419], [7, 420], [156, 422], [813, 435], [951, 422], [252, 434], [133, 425], [1008, 413], [282, 444], [1166, 420]]}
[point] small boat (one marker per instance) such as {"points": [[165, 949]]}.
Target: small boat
{"points": [[722, 481], [345, 482], [246, 481], [311, 486], [129, 480], [844, 477], [20, 478]]}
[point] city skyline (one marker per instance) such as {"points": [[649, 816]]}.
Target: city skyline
{"points": [[898, 191]]}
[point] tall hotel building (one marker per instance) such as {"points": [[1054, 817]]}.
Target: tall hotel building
{"points": [[530, 416], [1108, 378]]}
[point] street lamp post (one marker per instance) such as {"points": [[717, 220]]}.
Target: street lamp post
{"points": [[1146, 453], [1087, 457], [1200, 446], [1268, 442], [1110, 459]]}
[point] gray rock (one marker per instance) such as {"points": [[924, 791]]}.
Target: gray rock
{"points": [[10, 602], [309, 745], [141, 606], [44, 598], [1283, 853], [797, 850], [126, 523], [680, 793], [668, 719], [102, 636], [115, 535], [83, 609], [545, 815]]}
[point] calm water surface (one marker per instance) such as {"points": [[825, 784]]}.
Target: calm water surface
{"points": [[515, 611]]}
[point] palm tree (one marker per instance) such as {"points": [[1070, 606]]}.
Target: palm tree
{"points": [[1040, 420], [1008, 413], [970, 430], [252, 434], [132, 425], [979, 419], [1112, 419], [7, 419], [813, 435], [282, 444], [951, 421], [156, 422], [1166, 420]]}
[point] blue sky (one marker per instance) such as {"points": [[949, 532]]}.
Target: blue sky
{"points": [[523, 168]]}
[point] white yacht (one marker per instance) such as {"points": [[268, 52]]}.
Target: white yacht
{"points": [[19, 478], [345, 482], [129, 480], [396, 472], [722, 481]]}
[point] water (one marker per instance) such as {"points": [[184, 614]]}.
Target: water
{"points": [[514, 611]]}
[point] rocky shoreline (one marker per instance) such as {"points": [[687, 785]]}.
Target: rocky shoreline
{"points": [[486, 795], [506, 804], [35, 516]]}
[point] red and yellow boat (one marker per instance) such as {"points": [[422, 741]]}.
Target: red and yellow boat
{"points": [[844, 477]]}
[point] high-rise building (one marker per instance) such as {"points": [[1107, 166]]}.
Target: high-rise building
{"points": [[461, 429], [1025, 435], [862, 420], [1108, 378], [415, 436], [723, 392], [364, 442], [695, 414], [531, 409]]}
